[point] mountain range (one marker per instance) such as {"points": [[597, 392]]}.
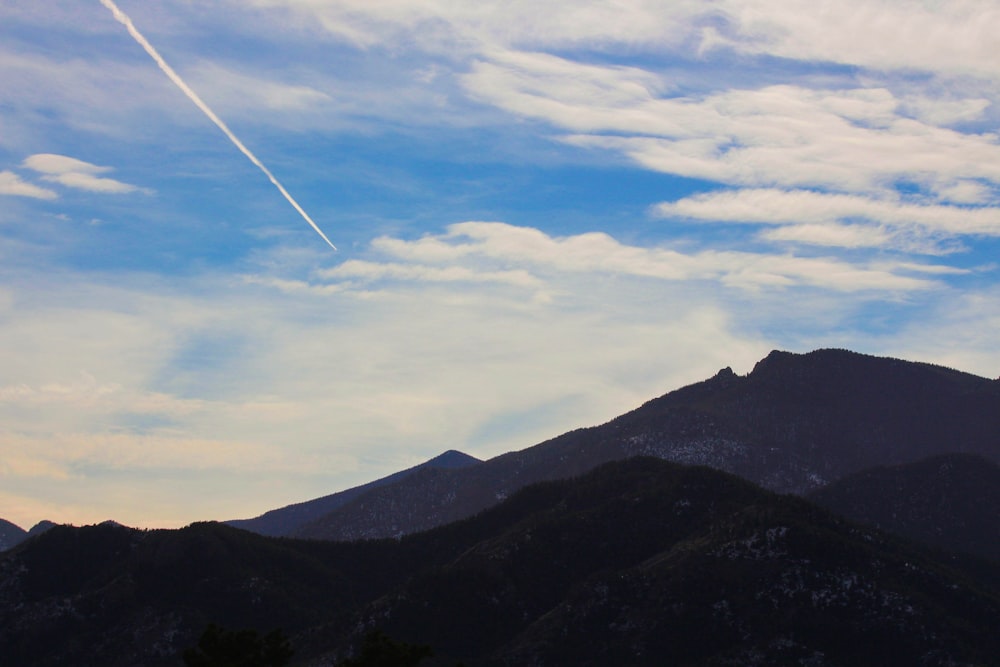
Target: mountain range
{"points": [[826, 509], [794, 424], [11, 534], [639, 562]]}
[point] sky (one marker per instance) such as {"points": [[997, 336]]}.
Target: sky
{"points": [[544, 213]]}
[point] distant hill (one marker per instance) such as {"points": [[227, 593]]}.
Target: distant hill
{"points": [[10, 534], [640, 562], [951, 501], [794, 424], [287, 520], [41, 527]]}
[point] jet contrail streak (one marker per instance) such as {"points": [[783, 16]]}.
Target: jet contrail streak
{"points": [[122, 18]]}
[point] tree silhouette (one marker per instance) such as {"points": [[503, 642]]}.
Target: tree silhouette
{"points": [[219, 647]]}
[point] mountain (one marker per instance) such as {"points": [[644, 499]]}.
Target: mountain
{"points": [[111, 595], [794, 424], [951, 502], [638, 562], [287, 520], [41, 527], [10, 534], [646, 563]]}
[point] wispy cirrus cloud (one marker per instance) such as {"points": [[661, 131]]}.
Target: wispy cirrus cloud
{"points": [[74, 173], [238, 91]]}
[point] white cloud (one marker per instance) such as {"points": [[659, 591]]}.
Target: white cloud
{"points": [[816, 217], [84, 181], [944, 111], [51, 164], [293, 286], [951, 37], [967, 192], [788, 135], [845, 236], [450, 25], [12, 184], [75, 173], [601, 254], [451, 274]]}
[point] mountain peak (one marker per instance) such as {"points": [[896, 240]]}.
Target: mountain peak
{"points": [[452, 459], [780, 361], [289, 519]]}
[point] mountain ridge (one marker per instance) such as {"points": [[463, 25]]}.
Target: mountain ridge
{"points": [[793, 424], [638, 562], [949, 501], [11, 534], [286, 520]]}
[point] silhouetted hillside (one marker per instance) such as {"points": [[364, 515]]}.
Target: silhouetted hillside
{"points": [[640, 562], [10, 534], [287, 520], [794, 424], [109, 595], [647, 563], [41, 527], [950, 501]]}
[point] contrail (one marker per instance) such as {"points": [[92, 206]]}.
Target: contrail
{"points": [[122, 18]]}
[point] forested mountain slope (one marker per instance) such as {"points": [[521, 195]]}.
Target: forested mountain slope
{"points": [[640, 562]]}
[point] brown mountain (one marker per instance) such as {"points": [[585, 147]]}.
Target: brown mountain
{"points": [[794, 424]]}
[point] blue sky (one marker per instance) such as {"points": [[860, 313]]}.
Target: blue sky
{"points": [[545, 214]]}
